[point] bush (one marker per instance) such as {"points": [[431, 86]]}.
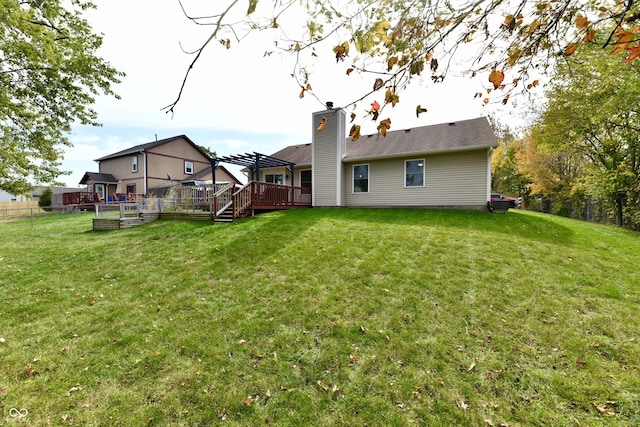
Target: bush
{"points": [[45, 199]]}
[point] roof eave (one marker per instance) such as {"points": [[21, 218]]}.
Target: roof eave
{"points": [[418, 153]]}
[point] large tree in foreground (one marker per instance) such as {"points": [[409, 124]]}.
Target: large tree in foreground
{"points": [[508, 43], [49, 76]]}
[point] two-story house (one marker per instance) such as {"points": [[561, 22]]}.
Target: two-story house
{"points": [[161, 163]]}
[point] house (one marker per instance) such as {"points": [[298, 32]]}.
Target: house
{"points": [[443, 165], [158, 164], [6, 197]]}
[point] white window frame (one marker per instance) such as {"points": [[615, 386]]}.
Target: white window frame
{"points": [[423, 173], [101, 190], [134, 164], [188, 167], [353, 180]]}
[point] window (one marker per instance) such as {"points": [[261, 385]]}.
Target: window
{"points": [[188, 167], [274, 178], [414, 173], [305, 178], [131, 188], [360, 178], [134, 164]]}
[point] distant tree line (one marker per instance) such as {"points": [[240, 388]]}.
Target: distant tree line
{"points": [[580, 156]]}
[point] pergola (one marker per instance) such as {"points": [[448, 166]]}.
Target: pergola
{"points": [[254, 161]]}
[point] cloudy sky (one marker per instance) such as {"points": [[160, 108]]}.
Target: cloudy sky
{"points": [[236, 100]]}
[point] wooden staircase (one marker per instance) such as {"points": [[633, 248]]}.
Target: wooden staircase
{"points": [[229, 205]]}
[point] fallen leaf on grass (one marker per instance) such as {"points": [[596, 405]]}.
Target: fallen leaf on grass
{"points": [[72, 389], [463, 405], [604, 409], [473, 364], [248, 401], [30, 370]]}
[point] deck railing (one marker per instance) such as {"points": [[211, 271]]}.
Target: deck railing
{"points": [[196, 196], [80, 197], [242, 200], [218, 199], [267, 195], [223, 199]]}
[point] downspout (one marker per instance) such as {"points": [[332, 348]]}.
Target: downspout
{"points": [[489, 156], [144, 176]]}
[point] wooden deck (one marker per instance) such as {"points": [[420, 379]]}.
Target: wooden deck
{"points": [[225, 205], [261, 196]]}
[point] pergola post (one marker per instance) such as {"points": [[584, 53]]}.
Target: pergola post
{"points": [[291, 165], [214, 166]]}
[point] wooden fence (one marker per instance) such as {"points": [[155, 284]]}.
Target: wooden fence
{"points": [[13, 209]]}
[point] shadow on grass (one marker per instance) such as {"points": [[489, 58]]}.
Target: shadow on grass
{"points": [[518, 223], [265, 233]]}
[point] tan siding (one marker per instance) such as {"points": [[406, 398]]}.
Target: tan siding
{"points": [[326, 146], [120, 167], [222, 176], [452, 179], [168, 159]]}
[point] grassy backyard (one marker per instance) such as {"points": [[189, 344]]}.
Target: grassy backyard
{"points": [[321, 317]]}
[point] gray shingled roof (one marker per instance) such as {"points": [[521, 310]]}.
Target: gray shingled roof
{"points": [[454, 136], [298, 154], [147, 146], [98, 177]]}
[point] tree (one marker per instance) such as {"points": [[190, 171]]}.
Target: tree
{"points": [[553, 175], [44, 201], [505, 174], [511, 44], [49, 77], [592, 119]]}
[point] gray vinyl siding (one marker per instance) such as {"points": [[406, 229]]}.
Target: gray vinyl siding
{"points": [[451, 180], [328, 146]]}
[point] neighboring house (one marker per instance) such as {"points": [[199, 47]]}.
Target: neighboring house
{"points": [[56, 193], [443, 165], [158, 164], [6, 197]]}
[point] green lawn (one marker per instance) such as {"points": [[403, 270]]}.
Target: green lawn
{"points": [[321, 317]]}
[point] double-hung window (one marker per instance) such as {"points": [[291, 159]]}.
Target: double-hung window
{"points": [[361, 178], [134, 164], [188, 167], [414, 173]]}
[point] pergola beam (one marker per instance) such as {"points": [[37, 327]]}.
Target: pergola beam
{"points": [[256, 161]]}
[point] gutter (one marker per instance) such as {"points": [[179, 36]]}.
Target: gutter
{"points": [[347, 159]]}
